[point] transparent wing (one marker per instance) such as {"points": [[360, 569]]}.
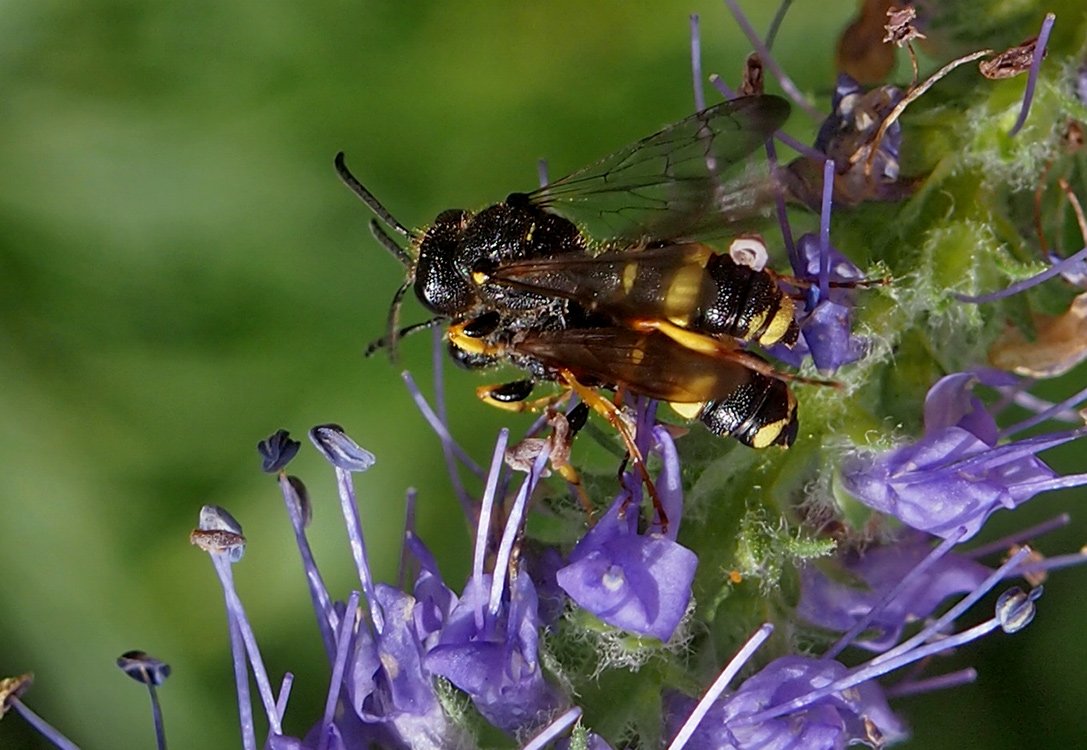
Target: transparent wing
{"points": [[685, 182]]}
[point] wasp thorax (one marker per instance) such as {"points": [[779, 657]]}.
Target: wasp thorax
{"points": [[438, 284]]}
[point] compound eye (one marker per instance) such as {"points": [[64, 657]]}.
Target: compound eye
{"points": [[438, 284], [484, 325]]}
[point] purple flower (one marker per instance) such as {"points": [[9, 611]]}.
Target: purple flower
{"points": [[828, 327], [433, 599], [818, 703], [845, 137], [639, 582], [387, 683], [380, 690], [488, 644], [956, 474], [494, 659], [857, 715], [826, 312], [835, 603], [827, 332]]}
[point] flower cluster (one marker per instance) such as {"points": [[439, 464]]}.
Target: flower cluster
{"points": [[638, 618]]}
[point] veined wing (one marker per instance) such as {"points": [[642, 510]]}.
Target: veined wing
{"points": [[684, 182]]}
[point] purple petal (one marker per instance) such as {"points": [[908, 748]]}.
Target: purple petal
{"points": [[640, 584], [828, 334], [831, 723], [829, 602], [948, 479], [951, 402], [495, 661]]}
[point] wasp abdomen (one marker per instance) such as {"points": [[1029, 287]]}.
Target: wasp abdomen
{"points": [[717, 296], [748, 305], [759, 413]]}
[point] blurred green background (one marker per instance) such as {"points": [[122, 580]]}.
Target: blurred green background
{"points": [[182, 274]]}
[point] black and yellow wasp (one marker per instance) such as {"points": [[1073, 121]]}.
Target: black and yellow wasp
{"points": [[645, 306]]}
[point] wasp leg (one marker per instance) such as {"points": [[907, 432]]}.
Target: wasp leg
{"points": [[512, 396], [459, 335], [805, 283], [611, 412], [573, 478], [575, 420], [700, 342], [497, 396]]}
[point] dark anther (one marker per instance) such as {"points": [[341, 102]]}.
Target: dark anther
{"points": [[143, 667], [277, 450]]}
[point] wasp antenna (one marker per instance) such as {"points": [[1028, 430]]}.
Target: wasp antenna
{"points": [[367, 197], [384, 341], [389, 244], [393, 322]]}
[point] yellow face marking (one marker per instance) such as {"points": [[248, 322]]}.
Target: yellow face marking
{"points": [[684, 292], [462, 341], [637, 356], [479, 278], [531, 231], [630, 275]]}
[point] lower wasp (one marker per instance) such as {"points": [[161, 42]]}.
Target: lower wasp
{"points": [[602, 279]]}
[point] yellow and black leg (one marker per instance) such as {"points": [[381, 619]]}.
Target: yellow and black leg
{"points": [[614, 415], [807, 283], [714, 347], [513, 396], [575, 420]]}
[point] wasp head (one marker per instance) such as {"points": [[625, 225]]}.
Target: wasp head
{"points": [[439, 284]]}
